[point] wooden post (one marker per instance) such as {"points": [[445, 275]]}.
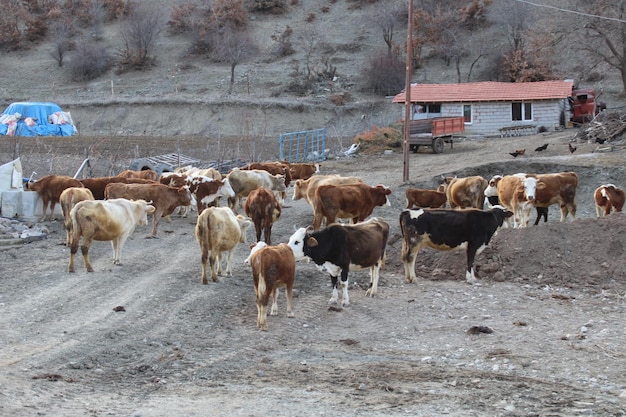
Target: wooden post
{"points": [[407, 95]]}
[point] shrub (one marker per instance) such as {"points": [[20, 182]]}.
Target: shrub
{"points": [[284, 46], [269, 6], [385, 74], [89, 61], [230, 13], [377, 139]]}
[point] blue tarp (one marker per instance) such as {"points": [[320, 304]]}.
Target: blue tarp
{"points": [[36, 119]]}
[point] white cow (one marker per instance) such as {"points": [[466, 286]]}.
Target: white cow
{"points": [[113, 220]]}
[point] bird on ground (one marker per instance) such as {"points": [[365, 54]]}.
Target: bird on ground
{"points": [[572, 149], [541, 148], [517, 153]]}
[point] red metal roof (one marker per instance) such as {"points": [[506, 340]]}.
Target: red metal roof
{"points": [[487, 91]]}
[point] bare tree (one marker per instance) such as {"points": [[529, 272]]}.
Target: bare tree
{"points": [[97, 15], [139, 37], [386, 16], [60, 31], [234, 47]]}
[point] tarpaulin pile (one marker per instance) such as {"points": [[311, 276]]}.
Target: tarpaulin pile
{"points": [[36, 119]]}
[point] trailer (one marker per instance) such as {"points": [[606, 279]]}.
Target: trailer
{"points": [[435, 132]]}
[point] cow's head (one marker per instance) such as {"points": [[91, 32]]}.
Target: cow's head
{"points": [[501, 214], [226, 190], [530, 188], [254, 249], [297, 190], [243, 227], [299, 240], [492, 188]]}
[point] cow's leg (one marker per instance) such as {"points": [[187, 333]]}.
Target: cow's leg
{"points": [[261, 315], [268, 233], [258, 228], [214, 260], [73, 250], [345, 300], [274, 296], [204, 255], [45, 209], [374, 275], [289, 296], [229, 258], [472, 250], [334, 271], [52, 206], [317, 219], [84, 249], [155, 222], [409, 255]]}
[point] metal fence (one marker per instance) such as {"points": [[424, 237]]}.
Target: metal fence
{"points": [[304, 146]]}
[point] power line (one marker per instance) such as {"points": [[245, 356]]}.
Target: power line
{"points": [[615, 19]]}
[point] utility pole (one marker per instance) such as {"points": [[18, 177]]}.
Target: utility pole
{"points": [[407, 94]]}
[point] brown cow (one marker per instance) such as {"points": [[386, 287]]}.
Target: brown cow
{"points": [[303, 171], [465, 192], [274, 168], [98, 184], [306, 188], [263, 209], [558, 188], [50, 188], [355, 201], [272, 267], [417, 197], [165, 199], [608, 197], [146, 174], [69, 198]]}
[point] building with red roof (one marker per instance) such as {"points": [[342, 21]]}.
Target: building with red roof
{"points": [[494, 108]]}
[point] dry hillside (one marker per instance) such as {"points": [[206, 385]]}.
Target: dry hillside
{"points": [[184, 94]]}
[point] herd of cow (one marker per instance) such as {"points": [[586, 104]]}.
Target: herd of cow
{"points": [[109, 208]]}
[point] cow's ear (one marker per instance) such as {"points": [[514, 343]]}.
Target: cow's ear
{"points": [[541, 185], [311, 242]]}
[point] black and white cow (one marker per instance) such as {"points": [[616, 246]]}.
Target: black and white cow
{"points": [[441, 229], [339, 247]]}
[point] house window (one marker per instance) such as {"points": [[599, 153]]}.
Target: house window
{"points": [[521, 111], [467, 113]]}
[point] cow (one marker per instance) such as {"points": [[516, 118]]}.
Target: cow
{"points": [[303, 171], [69, 198], [273, 267], [340, 247], [203, 172], [146, 174], [263, 209], [517, 194], [244, 181], [165, 199], [49, 189], [492, 199], [207, 191], [354, 201], [608, 197], [417, 197], [113, 220], [465, 192], [219, 230], [446, 229], [306, 188], [177, 180], [97, 185], [274, 168]]}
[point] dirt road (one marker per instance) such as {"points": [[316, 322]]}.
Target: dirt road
{"points": [[553, 295]]}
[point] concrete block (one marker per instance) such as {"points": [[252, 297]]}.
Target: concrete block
{"points": [[11, 204]]}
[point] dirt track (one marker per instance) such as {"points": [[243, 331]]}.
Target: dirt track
{"points": [[554, 296]]}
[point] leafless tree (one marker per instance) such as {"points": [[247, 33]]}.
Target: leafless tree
{"points": [[97, 15], [139, 37], [234, 47], [386, 17], [60, 31]]}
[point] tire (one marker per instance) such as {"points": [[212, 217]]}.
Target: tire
{"points": [[438, 145]]}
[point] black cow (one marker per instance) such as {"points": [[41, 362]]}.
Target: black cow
{"points": [[443, 229], [339, 247]]}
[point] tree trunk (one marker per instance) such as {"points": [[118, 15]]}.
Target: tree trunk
{"points": [[232, 78]]}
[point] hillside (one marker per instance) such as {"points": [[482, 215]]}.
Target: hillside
{"points": [[187, 95]]}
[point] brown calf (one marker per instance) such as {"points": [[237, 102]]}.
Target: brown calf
{"points": [[50, 189], [263, 209], [608, 197], [272, 267], [417, 197]]}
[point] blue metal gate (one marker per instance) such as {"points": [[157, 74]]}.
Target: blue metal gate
{"points": [[305, 146]]}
